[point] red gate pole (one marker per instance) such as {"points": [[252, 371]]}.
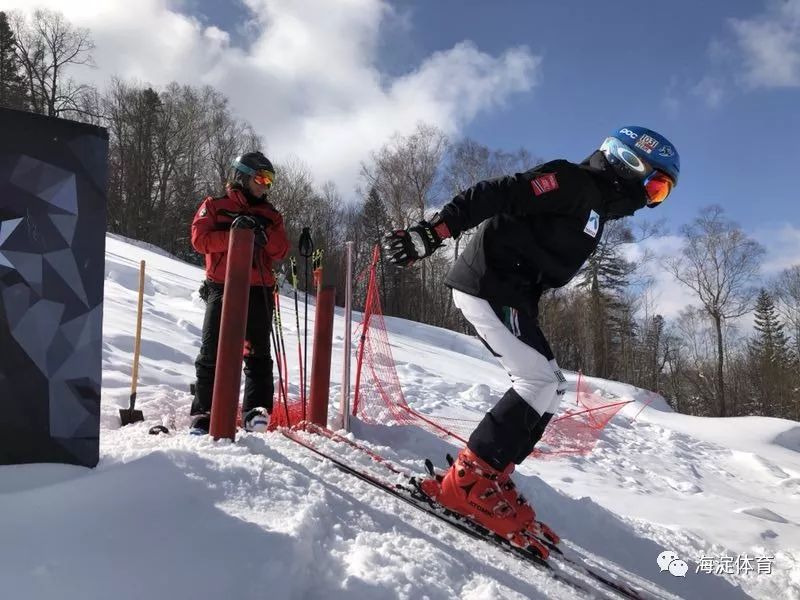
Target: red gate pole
{"points": [[228, 374], [321, 360]]}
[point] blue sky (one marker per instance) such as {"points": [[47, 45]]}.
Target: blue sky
{"points": [[672, 66], [616, 63], [327, 82]]}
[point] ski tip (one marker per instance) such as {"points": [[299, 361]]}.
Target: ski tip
{"points": [[429, 467], [450, 459]]}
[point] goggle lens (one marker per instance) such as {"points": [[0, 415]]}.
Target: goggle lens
{"points": [[658, 186], [263, 178]]}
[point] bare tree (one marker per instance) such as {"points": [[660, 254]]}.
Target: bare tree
{"points": [[404, 174], [468, 162], [503, 163], [226, 136], [47, 45], [787, 291], [719, 263], [292, 192]]}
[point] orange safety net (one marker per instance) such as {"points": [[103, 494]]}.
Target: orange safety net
{"points": [[378, 396]]}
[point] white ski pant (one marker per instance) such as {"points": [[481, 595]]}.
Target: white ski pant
{"points": [[536, 379]]}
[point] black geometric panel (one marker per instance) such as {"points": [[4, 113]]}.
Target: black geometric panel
{"points": [[52, 255]]}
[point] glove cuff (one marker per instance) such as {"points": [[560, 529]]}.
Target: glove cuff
{"points": [[440, 227]]}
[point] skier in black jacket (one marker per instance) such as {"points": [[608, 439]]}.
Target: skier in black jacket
{"points": [[537, 228]]}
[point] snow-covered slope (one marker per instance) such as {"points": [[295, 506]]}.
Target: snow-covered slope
{"points": [[184, 517]]}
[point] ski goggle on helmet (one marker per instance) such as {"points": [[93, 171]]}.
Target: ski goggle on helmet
{"points": [[642, 154], [257, 166]]}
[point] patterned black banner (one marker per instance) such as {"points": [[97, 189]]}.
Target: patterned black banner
{"points": [[52, 260]]}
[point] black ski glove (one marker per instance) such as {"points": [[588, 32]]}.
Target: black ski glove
{"points": [[263, 222], [253, 222], [404, 247]]}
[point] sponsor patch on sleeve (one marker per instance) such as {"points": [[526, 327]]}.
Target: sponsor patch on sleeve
{"points": [[544, 183]]}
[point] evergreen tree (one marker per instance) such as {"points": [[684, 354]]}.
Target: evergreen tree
{"points": [[605, 276], [373, 223], [771, 343], [12, 83], [771, 359]]}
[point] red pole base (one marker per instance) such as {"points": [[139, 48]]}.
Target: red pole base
{"points": [[235, 299], [321, 360]]}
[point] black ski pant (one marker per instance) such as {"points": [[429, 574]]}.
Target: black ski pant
{"points": [[259, 386], [511, 429]]}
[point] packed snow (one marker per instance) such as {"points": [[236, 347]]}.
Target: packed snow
{"points": [[179, 516]]}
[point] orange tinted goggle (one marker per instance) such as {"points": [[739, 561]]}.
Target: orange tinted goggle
{"points": [[658, 186], [263, 178]]}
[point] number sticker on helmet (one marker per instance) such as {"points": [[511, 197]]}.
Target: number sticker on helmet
{"points": [[647, 143]]}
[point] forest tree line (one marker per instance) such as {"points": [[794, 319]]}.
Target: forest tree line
{"points": [[170, 147]]}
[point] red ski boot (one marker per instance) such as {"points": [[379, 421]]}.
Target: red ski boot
{"points": [[474, 489]]}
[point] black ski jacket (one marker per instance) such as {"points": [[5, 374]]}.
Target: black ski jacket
{"points": [[537, 228]]}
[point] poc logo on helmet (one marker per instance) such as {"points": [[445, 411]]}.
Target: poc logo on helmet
{"points": [[629, 133]]}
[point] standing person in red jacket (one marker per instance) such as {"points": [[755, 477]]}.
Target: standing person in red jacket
{"points": [[245, 198]]}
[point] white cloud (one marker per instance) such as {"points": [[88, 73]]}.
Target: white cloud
{"points": [[711, 90], [669, 297], [770, 45], [760, 52], [671, 99], [308, 79], [783, 248]]}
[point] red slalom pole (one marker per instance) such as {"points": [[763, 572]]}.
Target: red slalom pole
{"points": [[228, 374], [321, 359]]}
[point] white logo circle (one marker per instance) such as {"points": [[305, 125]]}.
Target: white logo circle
{"points": [[630, 159]]}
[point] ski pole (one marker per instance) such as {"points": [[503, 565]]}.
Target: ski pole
{"points": [[279, 320], [278, 359], [275, 344], [306, 249], [293, 275]]}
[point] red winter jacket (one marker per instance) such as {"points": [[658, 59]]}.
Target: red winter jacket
{"points": [[211, 229]]}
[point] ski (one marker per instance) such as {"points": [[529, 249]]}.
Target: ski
{"points": [[556, 552], [408, 493]]}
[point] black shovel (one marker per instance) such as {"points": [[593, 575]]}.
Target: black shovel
{"points": [[130, 415]]}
